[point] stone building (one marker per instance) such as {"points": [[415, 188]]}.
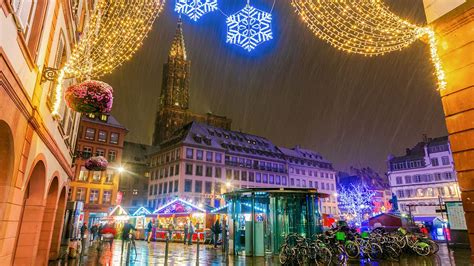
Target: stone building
{"points": [[99, 135], [174, 110], [36, 148], [201, 162], [423, 177], [453, 23], [134, 179]]}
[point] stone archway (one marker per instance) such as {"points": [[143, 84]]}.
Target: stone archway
{"points": [[48, 223], [7, 153], [8, 215], [31, 216], [58, 226]]}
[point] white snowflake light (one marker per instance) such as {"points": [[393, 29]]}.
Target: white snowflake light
{"points": [[249, 27], [195, 9]]}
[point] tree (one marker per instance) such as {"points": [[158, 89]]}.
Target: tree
{"points": [[356, 200]]}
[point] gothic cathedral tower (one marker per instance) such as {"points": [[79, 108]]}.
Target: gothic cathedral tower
{"points": [[174, 110], [174, 98]]}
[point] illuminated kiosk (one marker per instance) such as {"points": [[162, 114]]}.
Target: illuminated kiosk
{"points": [[175, 214], [260, 218]]}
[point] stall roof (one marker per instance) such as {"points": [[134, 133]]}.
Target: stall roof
{"points": [[179, 206], [141, 212], [118, 211], [426, 219]]}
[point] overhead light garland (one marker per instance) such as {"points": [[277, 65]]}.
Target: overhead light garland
{"points": [[114, 32], [365, 27]]}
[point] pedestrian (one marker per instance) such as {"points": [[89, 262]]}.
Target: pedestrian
{"points": [[149, 230], [216, 230], [83, 230], [186, 229], [191, 233], [94, 230], [126, 231]]}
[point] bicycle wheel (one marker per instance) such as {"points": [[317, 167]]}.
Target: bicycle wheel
{"points": [[391, 253], [422, 249], [434, 246], [324, 256], [376, 252], [283, 255], [352, 250]]}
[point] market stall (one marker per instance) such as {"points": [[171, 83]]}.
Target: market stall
{"points": [[117, 217], [173, 217], [140, 219]]}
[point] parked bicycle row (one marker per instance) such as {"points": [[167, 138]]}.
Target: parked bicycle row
{"points": [[338, 245]]}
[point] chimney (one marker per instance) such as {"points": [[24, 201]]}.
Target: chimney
{"points": [[408, 151], [425, 138]]}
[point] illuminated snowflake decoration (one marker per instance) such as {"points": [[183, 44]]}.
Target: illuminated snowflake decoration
{"points": [[249, 27], [195, 9]]}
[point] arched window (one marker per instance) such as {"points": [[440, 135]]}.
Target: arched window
{"points": [[24, 10]]}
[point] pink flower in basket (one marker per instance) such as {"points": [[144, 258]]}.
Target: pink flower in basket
{"points": [[90, 97], [96, 163]]}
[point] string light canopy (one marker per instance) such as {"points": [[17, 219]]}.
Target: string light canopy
{"points": [[365, 27], [114, 32]]}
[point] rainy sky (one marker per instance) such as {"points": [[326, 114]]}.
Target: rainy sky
{"points": [[294, 90]]}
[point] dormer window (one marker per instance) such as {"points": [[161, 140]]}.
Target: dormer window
{"points": [[104, 118]]}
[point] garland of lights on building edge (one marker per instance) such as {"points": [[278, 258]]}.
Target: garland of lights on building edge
{"points": [[365, 27], [115, 31]]}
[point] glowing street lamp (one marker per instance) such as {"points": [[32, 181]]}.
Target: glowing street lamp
{"points": [[121, 169]]}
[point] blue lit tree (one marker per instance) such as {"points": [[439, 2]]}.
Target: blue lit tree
{"points": [[249, 27], [355, 201], [195, 9]]}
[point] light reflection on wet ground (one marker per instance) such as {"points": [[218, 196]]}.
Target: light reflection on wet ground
{"points": [[179, 254]]}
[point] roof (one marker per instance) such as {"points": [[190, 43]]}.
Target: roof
{"points": [[426, 218], [418, 151], [234, 142], [240, 144], [275, 190], [111, 121]]}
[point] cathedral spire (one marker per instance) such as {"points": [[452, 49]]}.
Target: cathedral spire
{"points": [[178, 49]]}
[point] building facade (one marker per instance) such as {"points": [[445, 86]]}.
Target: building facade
{"points": [[201, 162], [424, 177], [134, 179], [36, 148], [174, 110], [99, 135], [453, 22]]}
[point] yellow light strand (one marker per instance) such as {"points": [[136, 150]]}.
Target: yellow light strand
{"points": [[365, 27], [114, 32]]}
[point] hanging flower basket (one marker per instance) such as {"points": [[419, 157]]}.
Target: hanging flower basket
{"points": [[90, 97], [96, 163]]}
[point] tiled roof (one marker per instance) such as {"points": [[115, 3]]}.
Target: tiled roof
{"points": [[238, 143], [111, 121]]}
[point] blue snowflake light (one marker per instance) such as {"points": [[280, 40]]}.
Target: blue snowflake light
{"points": [[249, 27], [195, 9]]}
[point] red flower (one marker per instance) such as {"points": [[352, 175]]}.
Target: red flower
{"points": [[90, 97]]}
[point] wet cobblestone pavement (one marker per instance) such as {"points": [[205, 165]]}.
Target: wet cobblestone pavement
{"points": [[179, 254]]}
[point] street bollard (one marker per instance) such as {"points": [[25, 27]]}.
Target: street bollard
{"points": [[128, 253], [166, 251], [197, 253]]}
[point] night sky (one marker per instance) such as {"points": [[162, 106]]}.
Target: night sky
{"points": [[294, 90]]}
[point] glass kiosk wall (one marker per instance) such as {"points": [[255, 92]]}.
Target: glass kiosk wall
{"points": [[259, 218]]}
